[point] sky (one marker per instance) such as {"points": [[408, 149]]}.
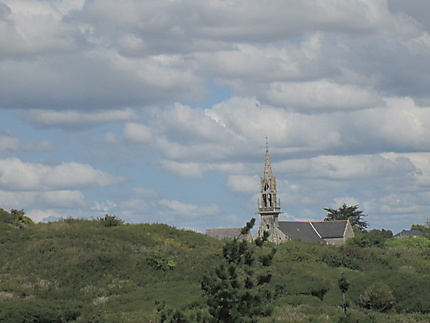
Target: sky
{"points": [[158, 111]]}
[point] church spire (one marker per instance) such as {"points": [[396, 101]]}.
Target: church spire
{"points": [[269, 206], [268, 200], [267, 165]]}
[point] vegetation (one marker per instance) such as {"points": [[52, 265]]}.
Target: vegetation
{"points": [[237, 290], [350, 213], [15, 218], [78, 270], [423, 228]]}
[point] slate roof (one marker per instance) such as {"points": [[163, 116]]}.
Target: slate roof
{"points": [[330, 229], [313, 231], [229, 233], [299, 230], [409, 233]]}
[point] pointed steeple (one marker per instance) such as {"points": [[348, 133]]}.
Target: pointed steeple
{"points": [[269, 206], [267, 165], [268, 202]]}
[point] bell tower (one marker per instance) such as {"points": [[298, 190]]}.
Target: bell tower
{"points": [[269, 206]]}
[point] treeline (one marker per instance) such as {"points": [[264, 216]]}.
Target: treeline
{"points": [[104, 270]]}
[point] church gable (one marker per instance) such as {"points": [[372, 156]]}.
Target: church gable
{"points": [[331, 229]]}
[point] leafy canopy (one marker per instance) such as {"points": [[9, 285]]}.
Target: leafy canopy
{"points": [[350, 213]]}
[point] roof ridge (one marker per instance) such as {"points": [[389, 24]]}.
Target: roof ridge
{"points": [[295, 221], [319, 235], [315, 221], [330, 221]]}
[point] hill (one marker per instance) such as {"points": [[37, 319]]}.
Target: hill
{"points": [[91, 271]]}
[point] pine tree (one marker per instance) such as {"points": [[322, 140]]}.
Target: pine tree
{"points": [[237, 290], [350, 213]]}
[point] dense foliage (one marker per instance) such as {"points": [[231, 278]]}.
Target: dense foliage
{"points": [[15, 218], [237, 290], [351, 213], [84, 271]]}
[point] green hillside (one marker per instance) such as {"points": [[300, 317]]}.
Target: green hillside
{"points": [[96, 271]]}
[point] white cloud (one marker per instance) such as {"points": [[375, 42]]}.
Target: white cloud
{"points": [[340, 88], [32, 27], [8, 141], [189, 210], [321, 95], [183, 169], [94, 57], [421, 162], [187, 135], [38, 215], [61, 199], [355, 167], [348, 200], [104, 207], [76, 119], [16, 175], [243, 183], [135, 132], [74, 174], [64, 198]]}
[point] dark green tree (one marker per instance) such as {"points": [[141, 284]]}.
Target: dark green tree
{"points": [[343, 284], [350, 213], [237, 290], [110, 221]]}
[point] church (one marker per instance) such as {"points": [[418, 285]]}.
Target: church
{"points": [[269, 208]]}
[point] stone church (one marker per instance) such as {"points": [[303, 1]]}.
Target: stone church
{"points": [[269, 208]]}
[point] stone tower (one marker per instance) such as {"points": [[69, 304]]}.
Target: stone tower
{"points": [[269, 206]]}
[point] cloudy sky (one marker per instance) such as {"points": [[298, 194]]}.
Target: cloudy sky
{"points": [[158, 111]]}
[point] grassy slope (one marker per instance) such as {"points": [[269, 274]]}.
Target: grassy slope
{"points": [[97, 269], [79, 270]]}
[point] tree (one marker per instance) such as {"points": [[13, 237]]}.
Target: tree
{"points": [[110, 221], [15, 217], [377, 297], [350, 213], [372, 238], [237, 290], [343, 285]]}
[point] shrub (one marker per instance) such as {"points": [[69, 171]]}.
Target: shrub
{"points": [[160, 262], [372, 238], [38, 311], [110, 221], [418, 242], [15, 218], [377, 297]]}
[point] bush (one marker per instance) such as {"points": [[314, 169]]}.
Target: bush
{"points": [[15, 218], [110, 221], [24, 311], [373, 238], [377, 297], [418, 242], [160, 262]]}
